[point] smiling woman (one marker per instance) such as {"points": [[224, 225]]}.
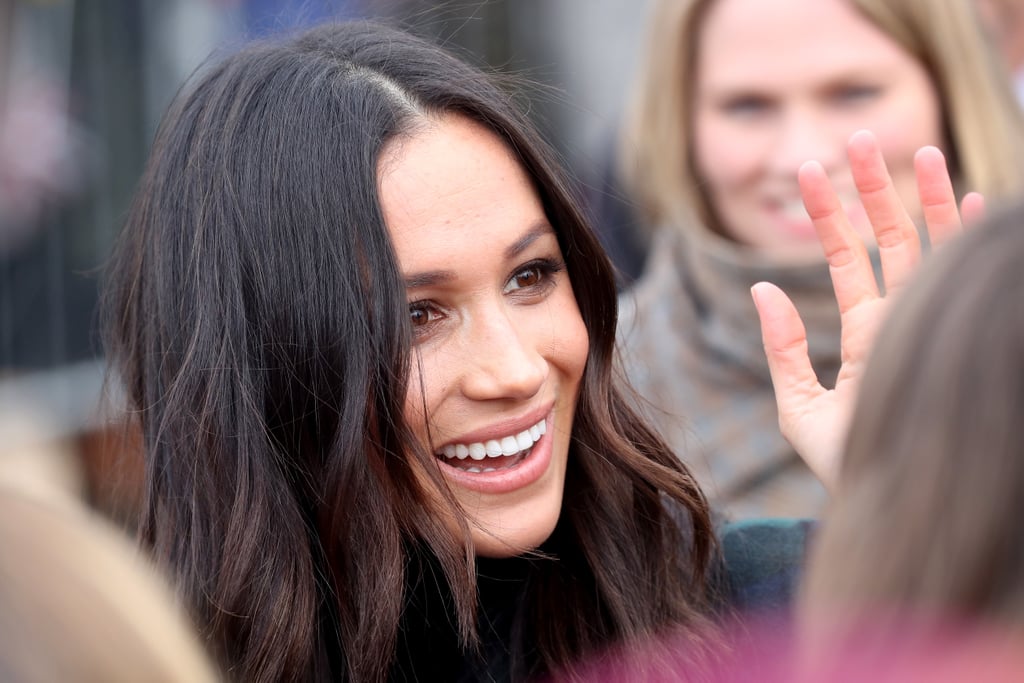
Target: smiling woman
{"points": [[382, 433], [500, 342], [762, 110]]}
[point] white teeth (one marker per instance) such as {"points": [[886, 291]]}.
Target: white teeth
{"points": [[495, 448], [523, 441]]}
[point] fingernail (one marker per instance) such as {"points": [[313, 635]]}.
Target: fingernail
{"points": [[753, 294]]}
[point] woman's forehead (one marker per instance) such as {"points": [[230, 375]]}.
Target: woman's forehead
{"points": [[749, 40], [455, 182]]}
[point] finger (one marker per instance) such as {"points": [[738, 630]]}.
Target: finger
{"points": [[785, 346], [852, 275], [938, 201], [899, 246], [972, 209]]}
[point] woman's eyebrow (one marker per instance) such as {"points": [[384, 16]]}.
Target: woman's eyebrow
{"points": [[537, 231], [431, 278], [428, 278]]}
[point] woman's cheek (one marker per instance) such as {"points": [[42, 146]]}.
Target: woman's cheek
{"points": [[576, 344], [901, 131], [726, 154]]}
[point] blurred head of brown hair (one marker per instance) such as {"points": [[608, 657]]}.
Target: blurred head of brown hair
{"points": [[77, 601], [927, 517]]}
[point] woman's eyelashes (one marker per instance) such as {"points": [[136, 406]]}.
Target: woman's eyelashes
{"points": [[422, 314], [535, 277], [756, 106], [530, 282], [854, 94], [745, 106]]}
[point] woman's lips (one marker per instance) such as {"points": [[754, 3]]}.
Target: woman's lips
{"points": [[792, 217], [500, 465], [493, 454]]}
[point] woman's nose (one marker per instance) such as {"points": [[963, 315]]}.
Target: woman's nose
{"points": [[503, 362], [805, 135]]}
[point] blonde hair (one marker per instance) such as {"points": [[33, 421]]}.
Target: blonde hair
{"points": [[982, 118], [77, 601]]}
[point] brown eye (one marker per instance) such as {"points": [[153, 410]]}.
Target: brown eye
{"points": [[535, 276], [419, 315], [527, 277]]}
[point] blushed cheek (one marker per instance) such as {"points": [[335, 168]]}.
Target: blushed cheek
{"points": [[730, 161], [574, 345], [723, 155], [900, 135]]}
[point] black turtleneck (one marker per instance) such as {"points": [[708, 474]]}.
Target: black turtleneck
{"points": [[428, 647]]}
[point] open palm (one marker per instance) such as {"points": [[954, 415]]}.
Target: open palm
{"points": [[815, 419]]}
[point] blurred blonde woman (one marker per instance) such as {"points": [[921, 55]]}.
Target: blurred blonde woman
{"points": [[734, 96], [77, 601]]}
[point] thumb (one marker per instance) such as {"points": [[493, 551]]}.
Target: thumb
{"points": [[785, 345]]}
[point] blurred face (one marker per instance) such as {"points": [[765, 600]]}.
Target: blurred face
{"points": [[782, 82], [500, 342]]}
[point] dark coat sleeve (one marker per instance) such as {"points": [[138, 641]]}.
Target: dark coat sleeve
{"points": [[761, 564]]}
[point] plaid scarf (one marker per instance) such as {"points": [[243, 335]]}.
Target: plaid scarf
{"points": [[690, 342]]}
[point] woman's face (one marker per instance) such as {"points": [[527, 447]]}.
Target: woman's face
{"points": [[499, 339], [783, 82]]}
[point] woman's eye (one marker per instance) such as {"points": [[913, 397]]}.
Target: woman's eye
{"points": [[421, 314], [535, 276], [527, 277], [853, 94], [746, 105]]}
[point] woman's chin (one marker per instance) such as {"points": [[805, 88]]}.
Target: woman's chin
{"points": [[497, 541]]}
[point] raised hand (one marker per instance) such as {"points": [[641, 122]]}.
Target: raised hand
{"points": [[815, 419]]}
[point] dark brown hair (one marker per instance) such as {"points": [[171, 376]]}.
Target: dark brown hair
{"points": [[256, 314]]}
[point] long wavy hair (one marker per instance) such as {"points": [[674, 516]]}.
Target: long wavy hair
{"points": [[255, 313]]}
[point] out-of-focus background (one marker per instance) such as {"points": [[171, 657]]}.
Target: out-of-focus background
{"points": [[82, 88]]}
